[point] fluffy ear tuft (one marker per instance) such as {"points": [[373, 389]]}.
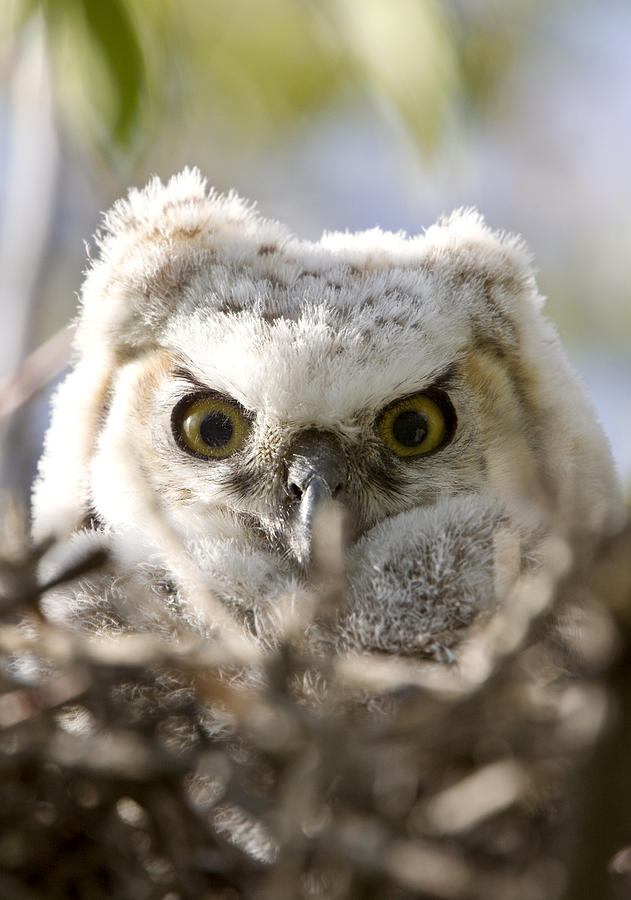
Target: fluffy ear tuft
{"points": [[498, 262], [151, 243], [182, 208]]}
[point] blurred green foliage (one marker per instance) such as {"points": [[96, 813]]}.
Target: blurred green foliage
{"points": [[97, 45], [123, 67]]}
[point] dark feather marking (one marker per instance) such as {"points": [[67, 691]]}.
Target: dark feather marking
{"points": [[242, 483], [190, 232], [489, 343], [386, 477], [179, 202], [268, 316], [106, 403], [182, 374], [502, 323], [91, 521], [230, 306], [446, 380], [275, 280], [443, 380]]}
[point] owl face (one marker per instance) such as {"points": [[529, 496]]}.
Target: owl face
{"points": [[234, 378], [218, 426]]}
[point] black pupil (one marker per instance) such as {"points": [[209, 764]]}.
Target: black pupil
{"points": [[216, 429], [410, 428]]}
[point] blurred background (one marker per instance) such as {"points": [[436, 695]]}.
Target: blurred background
{"points": [[331, 114]]}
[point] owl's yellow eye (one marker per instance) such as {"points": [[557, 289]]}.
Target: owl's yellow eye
{"points": [[210, 426], [416, 425]]}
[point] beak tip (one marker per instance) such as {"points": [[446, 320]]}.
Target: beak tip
{"points": [[319, 532], [316, 474]]}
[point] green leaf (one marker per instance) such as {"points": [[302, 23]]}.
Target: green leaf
{"points": [[113, 37], [113, 33]]}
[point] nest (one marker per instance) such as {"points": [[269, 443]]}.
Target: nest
{"points": [[137, 767]]}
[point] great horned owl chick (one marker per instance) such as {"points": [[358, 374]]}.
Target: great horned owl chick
{"points": [[230, 378]]}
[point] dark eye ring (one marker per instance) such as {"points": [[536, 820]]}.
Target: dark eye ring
{"points": [[209, 425], [418, 424]]}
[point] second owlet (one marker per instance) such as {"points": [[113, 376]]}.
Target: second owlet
{"points": [[229, 378]]}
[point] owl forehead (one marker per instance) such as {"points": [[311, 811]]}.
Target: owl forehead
{"points": [[325, 365]]}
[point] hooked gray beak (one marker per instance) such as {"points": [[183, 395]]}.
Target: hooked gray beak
{"points": [[316, 473]]}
